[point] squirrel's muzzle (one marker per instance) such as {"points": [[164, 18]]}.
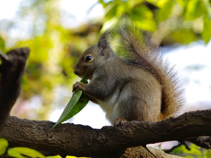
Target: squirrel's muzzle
{"points": [[76, 72]]}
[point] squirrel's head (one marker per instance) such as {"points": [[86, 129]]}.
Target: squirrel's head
{"points": [[93, 57]]}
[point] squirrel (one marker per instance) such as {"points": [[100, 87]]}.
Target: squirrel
{"points": [[144, 88]]}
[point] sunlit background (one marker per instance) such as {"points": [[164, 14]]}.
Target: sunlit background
{"points": [[58, 31]]}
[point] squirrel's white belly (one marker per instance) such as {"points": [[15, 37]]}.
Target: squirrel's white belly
{"points": [[111, 107]]}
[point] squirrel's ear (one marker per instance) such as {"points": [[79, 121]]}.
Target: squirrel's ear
{"points": [[103, 43]]}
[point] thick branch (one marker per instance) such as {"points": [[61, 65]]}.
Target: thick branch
{"points": [[78, 140], [11, 70]]}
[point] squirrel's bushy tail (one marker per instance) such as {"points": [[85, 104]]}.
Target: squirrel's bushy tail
{"points": [[148, 58]]}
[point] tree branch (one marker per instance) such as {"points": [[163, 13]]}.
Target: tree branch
{"points": [[11, 70], [78, 140]]}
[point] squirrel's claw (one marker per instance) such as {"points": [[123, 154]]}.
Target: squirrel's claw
{"points": [[79, 86], [120, 121]]}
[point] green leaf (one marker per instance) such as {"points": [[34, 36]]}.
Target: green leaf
{"points": [[145, 24], [182, 3], [75, 105], [195, 151], [111, 10], [79, 106], [102, 3], [194, 9], [2, 44], [143, 12], [206, 33], [143, 18], [209, 153], [165, 9], [23, 152], [183, 36], [3, 146]]}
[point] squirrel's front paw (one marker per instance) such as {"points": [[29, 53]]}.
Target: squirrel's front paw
{"points": [[120, 121], [79, 86]]}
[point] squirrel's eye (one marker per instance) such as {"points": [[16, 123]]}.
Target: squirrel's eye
{"points": [[88, 58]]}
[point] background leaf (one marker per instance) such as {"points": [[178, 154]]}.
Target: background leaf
{"points": [[165, 9], [143, 18], [206, 33], [21, 151], [194, 9], [2, 44], [3, 146]]}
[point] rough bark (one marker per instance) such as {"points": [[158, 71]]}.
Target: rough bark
{"points": [[11, 70], [70, 139]]}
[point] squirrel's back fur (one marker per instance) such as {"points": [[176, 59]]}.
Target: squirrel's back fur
{"points": [[132, 40]]}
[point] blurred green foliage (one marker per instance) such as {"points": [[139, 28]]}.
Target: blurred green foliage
{"points": [[2, 44], [3, 146], [194, 151], [22, 152], [170, 22], [55, 49]]}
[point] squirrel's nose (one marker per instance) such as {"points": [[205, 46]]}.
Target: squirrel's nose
{"points": [[76, 72]]}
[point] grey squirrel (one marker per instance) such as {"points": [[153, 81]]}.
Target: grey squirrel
{"points": [[144, 88]]}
